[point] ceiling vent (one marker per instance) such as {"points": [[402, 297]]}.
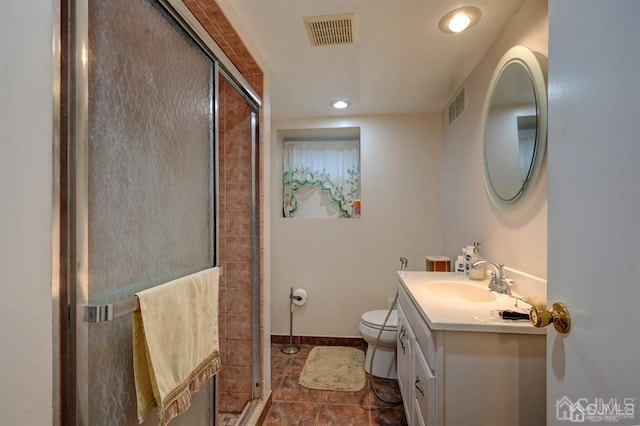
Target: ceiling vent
{"points": [[457, 106], [328, 30]]}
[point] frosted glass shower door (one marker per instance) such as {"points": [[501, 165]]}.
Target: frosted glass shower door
{"points": [[144, 202]]}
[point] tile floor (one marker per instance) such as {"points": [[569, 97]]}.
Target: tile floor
{"points": [[294, 405]]}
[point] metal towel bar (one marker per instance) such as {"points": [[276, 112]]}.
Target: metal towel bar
{"points": [[111, 311]]}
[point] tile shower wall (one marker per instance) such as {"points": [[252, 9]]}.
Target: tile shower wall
{"points": [[235, 249], [234, 386], [213, 20]]}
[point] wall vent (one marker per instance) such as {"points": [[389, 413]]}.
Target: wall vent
{"points": [[457, 106], [328, 30]]}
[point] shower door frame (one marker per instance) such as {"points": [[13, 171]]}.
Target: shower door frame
{"points": [[255, 234], [70, 197]]}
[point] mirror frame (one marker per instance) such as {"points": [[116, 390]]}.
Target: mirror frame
{"points": [[528, 60]]}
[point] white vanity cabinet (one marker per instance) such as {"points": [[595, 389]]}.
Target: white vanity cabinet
{"points": [[416, 376], [424, 392], [405, 367], [459, 377]]}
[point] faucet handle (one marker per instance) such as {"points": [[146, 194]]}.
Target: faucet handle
{"points": [[499, 283]]}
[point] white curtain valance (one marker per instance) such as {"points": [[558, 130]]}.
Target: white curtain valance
{"points": [[334, 166]]}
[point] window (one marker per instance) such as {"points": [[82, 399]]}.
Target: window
{"points": [[321, 176]]}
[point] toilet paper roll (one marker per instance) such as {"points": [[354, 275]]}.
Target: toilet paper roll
{"points": [[300, 297]]}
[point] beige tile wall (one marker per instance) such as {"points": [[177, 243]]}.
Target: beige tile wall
{"points": [[235, 383]]}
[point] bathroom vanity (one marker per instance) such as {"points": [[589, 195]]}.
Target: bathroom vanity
{"points": [[457, 364]]}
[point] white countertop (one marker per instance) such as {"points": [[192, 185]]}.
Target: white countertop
{"points": [[451, 313]]}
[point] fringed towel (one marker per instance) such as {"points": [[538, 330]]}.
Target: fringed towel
{"points": [[175, 343]]}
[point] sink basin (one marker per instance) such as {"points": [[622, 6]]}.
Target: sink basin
{"points": [[460, 291]]}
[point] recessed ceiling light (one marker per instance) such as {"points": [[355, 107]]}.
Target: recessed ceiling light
{"points": [[459, 22], [459, 19], [340, 104]]}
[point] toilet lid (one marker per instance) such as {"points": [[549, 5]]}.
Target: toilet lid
{"points": [[375, 319]]}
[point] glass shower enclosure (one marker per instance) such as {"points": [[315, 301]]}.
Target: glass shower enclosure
{"points": [[159, 181]]}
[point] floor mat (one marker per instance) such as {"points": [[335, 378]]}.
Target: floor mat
{"points": [[334, 368]]}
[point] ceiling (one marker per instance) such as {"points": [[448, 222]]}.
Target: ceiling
{"points": [[401, 62]]}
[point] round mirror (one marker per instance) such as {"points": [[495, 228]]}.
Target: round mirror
{"points": [[514, 128]]}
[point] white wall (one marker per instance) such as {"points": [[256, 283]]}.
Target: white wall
{"points": [[518, 239], [26, 124], [348, 266]]}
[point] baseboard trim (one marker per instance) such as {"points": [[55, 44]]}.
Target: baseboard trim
{"points": [[320, 341]]}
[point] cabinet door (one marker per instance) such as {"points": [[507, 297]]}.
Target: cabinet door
{"points": [[425, 408], [405, 363]]}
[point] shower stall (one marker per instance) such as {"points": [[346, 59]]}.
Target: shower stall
{"points": [[158, 179]]}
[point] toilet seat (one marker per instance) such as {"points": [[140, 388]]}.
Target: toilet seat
{"points": [[374, 319]]}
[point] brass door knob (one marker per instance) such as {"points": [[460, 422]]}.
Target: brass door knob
{"points": [[558, 316]]}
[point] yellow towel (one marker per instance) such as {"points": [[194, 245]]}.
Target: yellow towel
{"points": [[175, 343]]}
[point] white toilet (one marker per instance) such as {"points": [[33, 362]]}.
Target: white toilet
{"points": [[384, 361]]}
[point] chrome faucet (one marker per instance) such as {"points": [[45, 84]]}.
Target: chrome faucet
{"points": [[498, 281]]}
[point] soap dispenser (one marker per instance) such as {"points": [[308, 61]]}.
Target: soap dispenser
{"points": [[479, 272]]}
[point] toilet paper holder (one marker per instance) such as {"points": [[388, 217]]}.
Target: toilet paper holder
{"points": [[299, 297]]}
